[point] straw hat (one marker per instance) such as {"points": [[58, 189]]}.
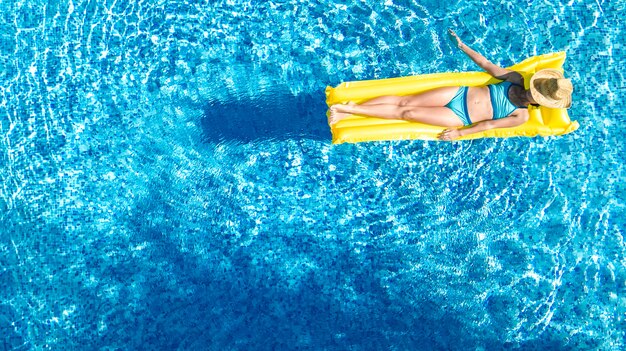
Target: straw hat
{"points": [[551, 89]]}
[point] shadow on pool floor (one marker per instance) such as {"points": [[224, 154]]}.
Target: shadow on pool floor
{"points": [[276, 115]]}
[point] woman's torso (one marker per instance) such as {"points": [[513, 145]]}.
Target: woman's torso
{"points": [[480, 105]]}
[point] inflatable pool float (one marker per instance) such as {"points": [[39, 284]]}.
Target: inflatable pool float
{"points": [[543, 121]]}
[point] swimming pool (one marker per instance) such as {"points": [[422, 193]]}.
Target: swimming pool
{"points": [[168, 182]]}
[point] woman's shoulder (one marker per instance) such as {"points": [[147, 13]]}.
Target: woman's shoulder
{"points": [[521, 113], [514, 77]]}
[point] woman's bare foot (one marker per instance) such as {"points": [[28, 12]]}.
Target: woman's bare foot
{"points": [[339, 112], [336, 116]]}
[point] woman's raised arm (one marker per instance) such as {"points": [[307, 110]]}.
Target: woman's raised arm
{"points": [[484, 63]]}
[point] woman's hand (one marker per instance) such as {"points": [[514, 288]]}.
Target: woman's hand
{"points": [[454, 36], [449, 134]]}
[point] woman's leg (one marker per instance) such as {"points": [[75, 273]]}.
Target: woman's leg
{"points": [[431, 98], [438, 116], [385, 100], [427, 107]]}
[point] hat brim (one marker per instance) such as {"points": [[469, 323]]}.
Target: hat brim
{"points": [[543, 100]]}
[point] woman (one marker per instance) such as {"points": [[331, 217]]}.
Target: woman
{"points": [[502, 105]]}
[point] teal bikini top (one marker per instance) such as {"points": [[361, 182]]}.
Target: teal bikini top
{"points": [[500, 102]]}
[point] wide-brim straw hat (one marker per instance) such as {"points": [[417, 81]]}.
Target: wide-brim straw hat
{"points": [[551, 89]]}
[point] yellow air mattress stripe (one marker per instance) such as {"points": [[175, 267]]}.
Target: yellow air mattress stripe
{"points": [[543, 121]]}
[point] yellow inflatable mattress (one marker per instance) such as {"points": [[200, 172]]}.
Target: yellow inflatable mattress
{"points": [[543, 121]]}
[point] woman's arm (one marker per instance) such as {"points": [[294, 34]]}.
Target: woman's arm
{"points": [[517, 118], [484, 63]]}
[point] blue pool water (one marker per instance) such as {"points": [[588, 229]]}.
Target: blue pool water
{"points": [[168, 182]]}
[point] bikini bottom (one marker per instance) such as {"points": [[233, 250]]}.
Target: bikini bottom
{"points": [[458, 105]]}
